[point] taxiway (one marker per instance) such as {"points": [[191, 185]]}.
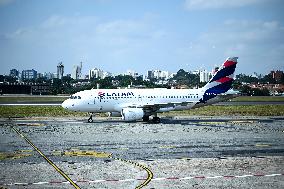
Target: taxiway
{"points": [[180, 152]]}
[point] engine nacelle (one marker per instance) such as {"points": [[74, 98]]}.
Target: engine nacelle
{"points": [[114, 114], [132, 114]]}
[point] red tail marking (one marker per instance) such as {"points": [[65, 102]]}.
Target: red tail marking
{"points": [[229, 63], [224, 79]]}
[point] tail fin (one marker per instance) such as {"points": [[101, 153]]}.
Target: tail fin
{"points": [[222, 81]]}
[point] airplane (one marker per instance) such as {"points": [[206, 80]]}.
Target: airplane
{"points": [[137, 104]]}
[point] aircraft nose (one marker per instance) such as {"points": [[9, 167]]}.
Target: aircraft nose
{"points": [[65, 105]]}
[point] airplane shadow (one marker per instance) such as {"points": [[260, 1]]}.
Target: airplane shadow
{"points": [[164, 120]]}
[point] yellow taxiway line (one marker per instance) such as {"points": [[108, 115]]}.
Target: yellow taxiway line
{"points": [[46, 158]]}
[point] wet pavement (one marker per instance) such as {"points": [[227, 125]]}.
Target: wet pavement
{"points": [[180, 152]]}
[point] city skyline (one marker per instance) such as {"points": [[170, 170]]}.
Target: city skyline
{"points": [[99, 73], [141, 35]]}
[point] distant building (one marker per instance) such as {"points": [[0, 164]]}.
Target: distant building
{"points": [[150, 74], [48, 75], [29, 74], [60, 70], [14, 73], [76, 72], [204, 76], [132, 73], [277, 75], [55, 75], [95, 73], [39, 75], [25, 88], [158, 74], [164, 75], [196, 72]]}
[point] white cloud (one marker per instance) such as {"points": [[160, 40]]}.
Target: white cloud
{"points": [[258, 44], [116, 42], [218, 4], [54, 21]]}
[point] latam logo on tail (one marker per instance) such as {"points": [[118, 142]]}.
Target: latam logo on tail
{"points": [[136, 104]]}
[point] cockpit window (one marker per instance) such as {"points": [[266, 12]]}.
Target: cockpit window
{"points": [[75, 97]]}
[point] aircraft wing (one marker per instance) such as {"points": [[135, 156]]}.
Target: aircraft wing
{"points": [[157, 106]]}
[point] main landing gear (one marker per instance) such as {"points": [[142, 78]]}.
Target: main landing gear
{"points": [[90, 120], [145, 118], [156, 120]]}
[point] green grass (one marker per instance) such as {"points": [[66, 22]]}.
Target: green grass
{"points": [[243, 110], [259, 99], [58, 111], [31, 99], [36, 111]]}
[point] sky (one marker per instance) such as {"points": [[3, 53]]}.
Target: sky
{"points": [[141, 35]]}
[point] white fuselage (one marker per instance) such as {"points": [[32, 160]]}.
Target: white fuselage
{"points": [[114, 100]]}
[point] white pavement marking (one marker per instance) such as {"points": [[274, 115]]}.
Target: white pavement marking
{"points": [[154, 179]]}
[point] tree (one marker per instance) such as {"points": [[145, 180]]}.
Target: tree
{"points": [[57, 87], [105, 83], [242, 78], [9, 79], [185, 78], [124, 80], [268, 79]]}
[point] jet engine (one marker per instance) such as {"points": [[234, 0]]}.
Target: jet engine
{"points": [[132, 114]]}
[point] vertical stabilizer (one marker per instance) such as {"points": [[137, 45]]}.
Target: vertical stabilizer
{"points": [[222, 81]]}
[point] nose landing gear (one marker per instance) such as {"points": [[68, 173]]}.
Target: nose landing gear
{"points": [[90, 120]]}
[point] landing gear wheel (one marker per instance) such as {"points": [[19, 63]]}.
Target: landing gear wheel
{"points": [[90, 120], [156, 120], [145, 118]]}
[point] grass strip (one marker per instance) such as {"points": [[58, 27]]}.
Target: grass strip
{"points": [[259, 99], [31, 99], [37, 111], [238, 110], [58, 111]]}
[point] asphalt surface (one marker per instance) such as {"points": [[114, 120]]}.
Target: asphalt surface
{"points": [[180, 152]]}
